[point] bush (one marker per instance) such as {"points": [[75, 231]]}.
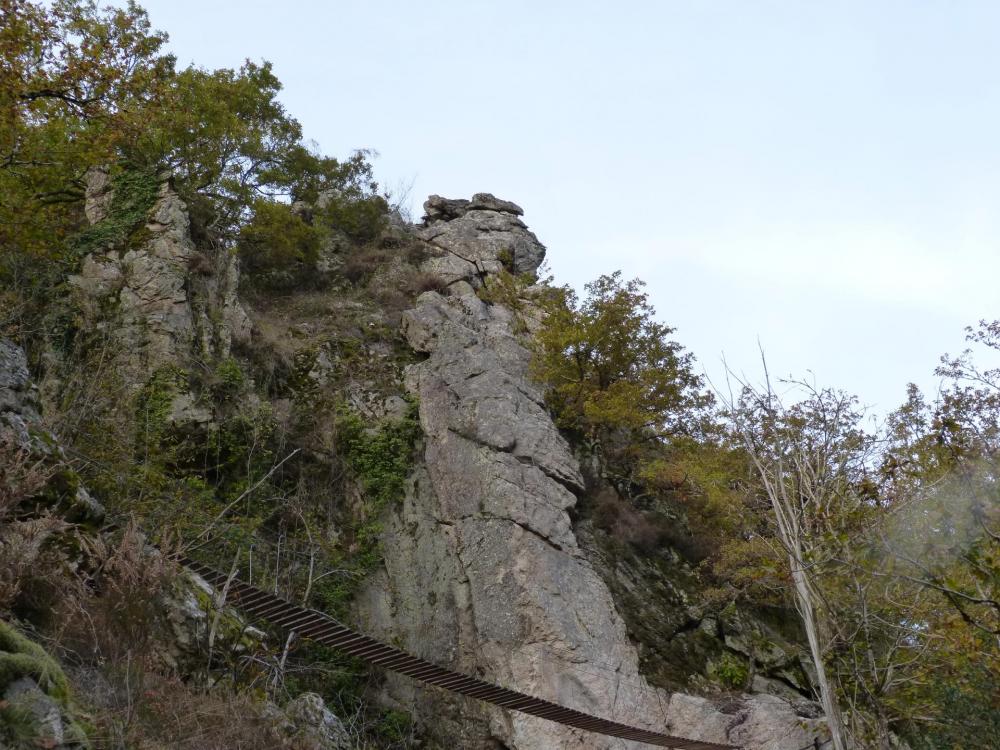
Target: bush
{"points": [[277, 247], [361, 217], [627, 525], [422, 281], [731, 671], [363, 262]]}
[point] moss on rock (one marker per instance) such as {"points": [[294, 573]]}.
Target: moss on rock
{"points": [[20, 658]]}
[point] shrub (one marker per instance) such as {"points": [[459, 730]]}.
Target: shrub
{"points": [[147, 709], [276, 246], [422, 281], [361, 217], [381, 460], [361, 263], [29, 564], [730, 670]]}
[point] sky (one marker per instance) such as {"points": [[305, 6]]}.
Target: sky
{"points": [[819, 180]]}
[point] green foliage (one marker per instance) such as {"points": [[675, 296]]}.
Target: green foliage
{"points": [[84, 86], [381, 459], [229, 379], [967, 714], [506, 258], [506, 289], [153, 407], [277, 247], [351, 203], [18, 727], [610, 366], [22, 657], [135, 192], [78, 84], [395, 726], [702, 480], [730, 670]]}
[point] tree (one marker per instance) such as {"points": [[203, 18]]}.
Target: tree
{"points": [[83, 86], [76, 84], [811, 461], [276, 245], [612, 369], [890, 547], [944, 461]]}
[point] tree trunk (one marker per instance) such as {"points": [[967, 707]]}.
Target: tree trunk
{"points": [[804, 598]]}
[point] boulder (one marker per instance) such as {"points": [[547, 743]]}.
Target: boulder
{"points": [[478, 237], [314, 722]]}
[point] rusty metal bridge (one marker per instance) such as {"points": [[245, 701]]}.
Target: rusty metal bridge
{"points": [[324, 629]]}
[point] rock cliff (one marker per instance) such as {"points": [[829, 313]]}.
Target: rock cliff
{"points": [[483, 568], [470, 552]]}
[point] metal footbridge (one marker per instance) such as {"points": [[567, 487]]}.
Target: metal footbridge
{"points": [[322, 628]]}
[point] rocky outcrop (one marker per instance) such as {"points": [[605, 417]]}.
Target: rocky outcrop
{"points": [[478, 237], [21, 429], [18, 395], [161, 300], [483, 570], [61, 513], [306, 722]]}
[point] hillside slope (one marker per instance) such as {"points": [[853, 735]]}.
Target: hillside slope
{"points": [[373, 443]]}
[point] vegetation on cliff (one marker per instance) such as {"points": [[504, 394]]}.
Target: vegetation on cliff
{"points": [[99, 126], [283, 452], [884, 539]]}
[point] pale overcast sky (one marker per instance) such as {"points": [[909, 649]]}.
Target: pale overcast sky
{"points": [[823, 177]]}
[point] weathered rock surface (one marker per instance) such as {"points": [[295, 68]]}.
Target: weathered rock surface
{"points": [[33, 689], [162, 302], [316, 724], [478, 237], [18, 395], [190, 615], [483, 570], [20, 423], [98, 195]]}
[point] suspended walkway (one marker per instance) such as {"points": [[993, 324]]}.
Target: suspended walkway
{"points": [[323, 629]]}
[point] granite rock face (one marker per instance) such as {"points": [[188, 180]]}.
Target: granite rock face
{"points": [[483, 570]]}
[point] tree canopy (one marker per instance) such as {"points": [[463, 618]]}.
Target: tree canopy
{"points": [[611, 366], [885, 538], [83, 86]]}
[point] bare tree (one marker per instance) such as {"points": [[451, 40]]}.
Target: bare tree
{"points": [[807, 458]]}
